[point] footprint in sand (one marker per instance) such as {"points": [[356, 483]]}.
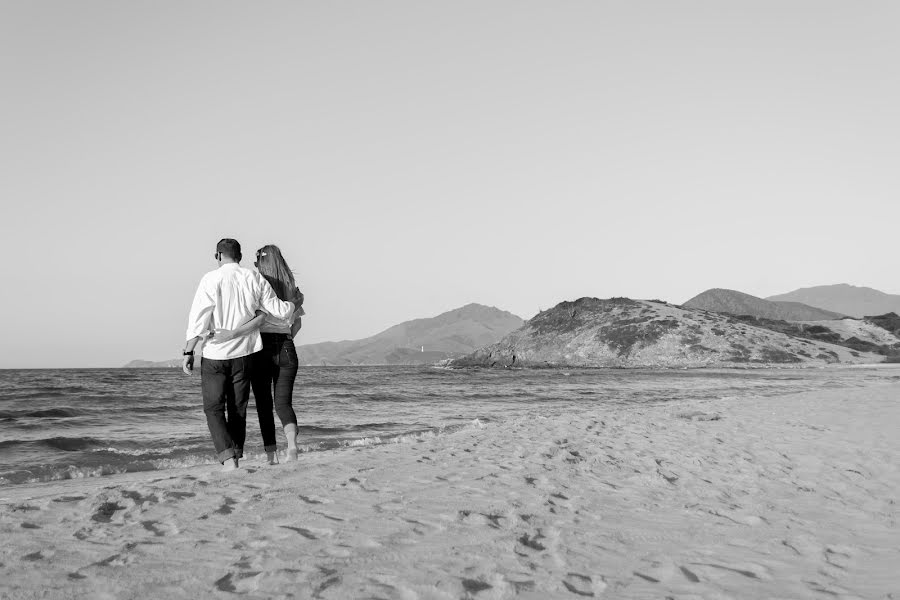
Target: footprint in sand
{"points": [[698, 415], [302, 531], [122, 558], [226, 508], [178, 495], [656, 569], [473, 586], [391, 506], [829, 589], [842, 557], [520, 587], [353, 481], [492, 520], [237, 582], [160, 529], [574, 457], [664, 472], [328, 578], [329, 517], [583, 585], [803, 545], [105, 512], [689, 575], [748, 570], [649, 578], [139, 499], [532, 542], [315, 499]]}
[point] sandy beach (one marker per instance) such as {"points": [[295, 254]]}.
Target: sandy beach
{"points": [[786, 497]]}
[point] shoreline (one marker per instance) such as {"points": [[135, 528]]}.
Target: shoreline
{"points": [[741, 497], [159, 459]]}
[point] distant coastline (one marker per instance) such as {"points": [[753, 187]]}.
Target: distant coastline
{"points": [[716, 328]]}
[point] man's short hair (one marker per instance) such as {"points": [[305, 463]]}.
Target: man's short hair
{"points": [[229, 247]]}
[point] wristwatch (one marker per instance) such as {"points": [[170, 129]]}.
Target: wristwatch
{"points": [[188, 353]]}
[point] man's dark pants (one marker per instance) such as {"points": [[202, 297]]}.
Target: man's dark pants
{"points": [[226, 387]]}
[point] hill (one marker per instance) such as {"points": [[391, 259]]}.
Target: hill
{"points": [[420, 341], [738, 303], [858, 334], [846, 299], [620, 332], [889, 322]]}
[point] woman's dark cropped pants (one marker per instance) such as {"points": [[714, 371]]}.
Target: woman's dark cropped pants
{"points": [[274, 369]]}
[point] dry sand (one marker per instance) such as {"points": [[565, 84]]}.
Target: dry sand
{"points": [[789, 497]]}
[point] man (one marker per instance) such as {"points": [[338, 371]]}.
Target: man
{"points": [[227, 298]]}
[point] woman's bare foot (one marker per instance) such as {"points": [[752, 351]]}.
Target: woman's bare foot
{"points": [[272, 457], [290, 432], [229, 465]]}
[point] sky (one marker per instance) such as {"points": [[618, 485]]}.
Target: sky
{"points": [[411, 157]]}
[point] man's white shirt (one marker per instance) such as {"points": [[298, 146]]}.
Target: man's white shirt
{"points": [[226, 299]]}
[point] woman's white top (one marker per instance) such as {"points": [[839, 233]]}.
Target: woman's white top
{"points": [[276, 325]]}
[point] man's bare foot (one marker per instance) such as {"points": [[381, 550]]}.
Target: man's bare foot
{"points": [[292, 454], [229, 465], [272, 458]]}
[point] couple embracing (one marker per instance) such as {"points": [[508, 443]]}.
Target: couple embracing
{"points": [[247, 321]]}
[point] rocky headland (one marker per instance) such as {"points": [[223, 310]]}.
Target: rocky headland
{"points": [[626, 333]]}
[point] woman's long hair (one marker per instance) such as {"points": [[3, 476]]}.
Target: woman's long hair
{"points": [[274, 268]]}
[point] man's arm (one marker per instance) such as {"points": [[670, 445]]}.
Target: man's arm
{"points": [[295, 327], [270, 303], [202, 308], [224, 335], [187, 361], [198, 322]]}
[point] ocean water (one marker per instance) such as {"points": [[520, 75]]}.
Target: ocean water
{"points": [[60, 424]]}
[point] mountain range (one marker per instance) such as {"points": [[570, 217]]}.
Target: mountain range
{"points": [[738, 303], [420, 341], [718, 327], [847, 299]]}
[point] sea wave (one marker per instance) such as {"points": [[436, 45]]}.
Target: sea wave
{"points": [[60, 412], [71, 444], [322, 430], [65, 444], [398, 438], [44, 474], [127, 460], [40, 391], [149, 453]]}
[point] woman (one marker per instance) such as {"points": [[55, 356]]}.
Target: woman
{"points": [[275, 367]]}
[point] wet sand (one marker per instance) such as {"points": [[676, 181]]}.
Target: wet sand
{"points": [[787, 497]]}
